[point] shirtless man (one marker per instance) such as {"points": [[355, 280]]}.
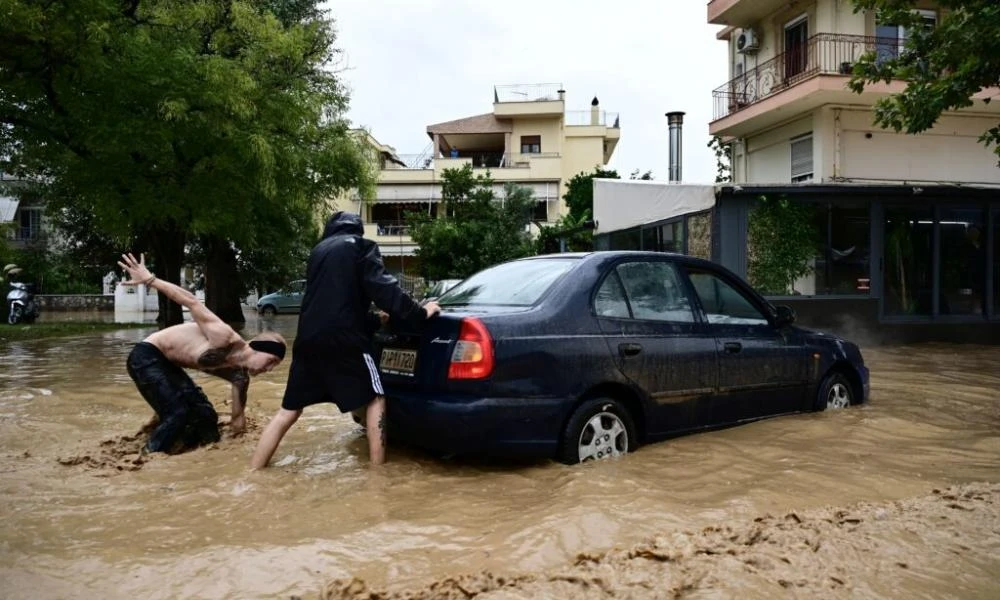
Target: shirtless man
{"points": [[157, 364]]}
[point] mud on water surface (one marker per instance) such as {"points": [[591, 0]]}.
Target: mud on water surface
{"points": [[838, 504]]}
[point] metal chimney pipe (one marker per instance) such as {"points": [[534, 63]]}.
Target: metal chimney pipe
{"points": [[676, 122]]}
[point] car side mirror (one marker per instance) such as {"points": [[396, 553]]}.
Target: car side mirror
{"points": [[784, 315]]}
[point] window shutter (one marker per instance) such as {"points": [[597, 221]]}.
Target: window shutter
{"points": [[802, 158]]}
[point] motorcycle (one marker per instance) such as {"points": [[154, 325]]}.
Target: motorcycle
{"points": [[23, 308]]}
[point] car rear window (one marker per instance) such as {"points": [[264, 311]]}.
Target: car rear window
{"points": [[518, 283]]}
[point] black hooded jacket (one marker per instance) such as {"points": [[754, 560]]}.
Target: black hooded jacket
{"points": [[345, 274]]}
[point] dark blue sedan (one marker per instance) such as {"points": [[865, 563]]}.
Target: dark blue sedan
{"points": [[588, 356]]}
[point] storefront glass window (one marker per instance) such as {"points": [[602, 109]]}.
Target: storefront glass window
{"points": [[629, 239], [842, 266], [996, 263], [908, 268], [963, 261]]}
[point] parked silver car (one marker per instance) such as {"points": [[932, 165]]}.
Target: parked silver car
{"points": [[287, 300]]}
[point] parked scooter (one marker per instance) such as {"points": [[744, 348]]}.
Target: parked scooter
{"points": [[21, 304]]}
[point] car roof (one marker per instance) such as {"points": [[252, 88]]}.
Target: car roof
{"points": [[607, 254]]}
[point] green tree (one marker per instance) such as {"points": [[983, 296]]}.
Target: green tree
{"points": [[571, 231], [477, 230], [723, 168], [780, 244], [943, 66], [207, 120]]}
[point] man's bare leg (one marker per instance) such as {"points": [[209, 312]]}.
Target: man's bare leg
{"points": [[271, 437], [375, 428]]}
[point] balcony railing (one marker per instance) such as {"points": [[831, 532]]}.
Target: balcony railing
{"points": [[582, 118], [822, 54], [527, 92], [479, 160], [391, 228]]}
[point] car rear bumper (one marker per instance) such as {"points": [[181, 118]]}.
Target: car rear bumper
{"points": [[474, 425]]}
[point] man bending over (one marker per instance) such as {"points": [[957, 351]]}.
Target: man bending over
{"points": [[208, 344]]}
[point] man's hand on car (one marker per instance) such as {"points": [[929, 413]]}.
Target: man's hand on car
{"points": [[432, 308]]}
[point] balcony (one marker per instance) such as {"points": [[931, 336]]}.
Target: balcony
{"points": [[777, 88], [592, 118], [503, 167], [740, 13], [528, 100]]}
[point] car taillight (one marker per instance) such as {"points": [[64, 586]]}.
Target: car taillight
{"points": [[473, 354]]}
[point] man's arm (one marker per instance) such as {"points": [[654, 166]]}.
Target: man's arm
{"points": [[215, 329], [384, 289], [240, 379]]}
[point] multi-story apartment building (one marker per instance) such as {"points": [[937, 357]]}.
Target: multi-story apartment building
{"points": [[528, 138], [901, 232], [791, 118]]}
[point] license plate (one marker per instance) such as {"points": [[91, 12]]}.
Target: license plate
{"points": [[399, 362]]}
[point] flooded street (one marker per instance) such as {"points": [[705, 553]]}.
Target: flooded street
{"points": [[84, 520]]}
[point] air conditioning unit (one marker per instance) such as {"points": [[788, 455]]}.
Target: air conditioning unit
{"points": [[748, 42]]}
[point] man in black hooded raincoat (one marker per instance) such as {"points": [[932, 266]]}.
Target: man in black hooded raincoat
{"points": [[332, 353]]}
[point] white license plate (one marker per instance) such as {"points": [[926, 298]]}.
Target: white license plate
{"points": [[399, 362]]}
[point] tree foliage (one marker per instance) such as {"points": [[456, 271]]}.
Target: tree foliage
{"points": [[478, 229], [572, 231], [723, 168], [943, 66], [168, 121], [780, 244]]}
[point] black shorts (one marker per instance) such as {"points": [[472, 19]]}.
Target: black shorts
{"points": [[186, 416], [350, 381]]}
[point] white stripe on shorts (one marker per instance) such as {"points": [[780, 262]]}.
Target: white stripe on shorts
{"points": [[373, 371]]}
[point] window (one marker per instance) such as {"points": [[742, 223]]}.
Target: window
{"points": [[654, 292], [668, 237], [962, 230], [531, 144], [610, 300], [802, 158], [722, 303], [892, 38], [29, 224], [908, 272], [517, 283], [796, 47], [541, 211]]}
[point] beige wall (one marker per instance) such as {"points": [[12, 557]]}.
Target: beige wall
{"points": [[768, 155], [948, 152], [580, 154], [549, 129]]}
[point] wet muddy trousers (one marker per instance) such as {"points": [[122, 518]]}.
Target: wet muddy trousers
{"points": [[186, 416]]}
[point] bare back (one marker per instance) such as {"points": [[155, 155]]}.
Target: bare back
{"points": [[187, 346]]}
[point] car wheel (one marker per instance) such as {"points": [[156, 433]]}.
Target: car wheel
{"points": [[268, 311], [598, 429], [834, 393], [360, 416]]}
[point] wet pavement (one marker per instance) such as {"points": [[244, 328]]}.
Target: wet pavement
{"points": [[84, 516]]}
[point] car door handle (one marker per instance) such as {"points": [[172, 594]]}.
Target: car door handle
{"points": [[732, 347], [629, 349]]}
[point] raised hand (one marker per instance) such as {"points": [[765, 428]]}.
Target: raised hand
{"points": [[137, 271]]}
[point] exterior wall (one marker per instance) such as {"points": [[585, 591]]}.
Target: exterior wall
{"points": [[949, 152], [78, 302], [768, 156], [580, 154], [549, 129]]}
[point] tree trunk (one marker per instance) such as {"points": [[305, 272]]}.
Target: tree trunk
{"points": [[223, 286], [167, 244]]}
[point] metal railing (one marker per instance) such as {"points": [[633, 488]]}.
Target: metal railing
{"points": [[583, 118], [527, 92], [479, 160], [822, 54], [391, 228]]}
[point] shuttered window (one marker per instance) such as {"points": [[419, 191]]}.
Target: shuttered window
{"points": [[802, 158]]}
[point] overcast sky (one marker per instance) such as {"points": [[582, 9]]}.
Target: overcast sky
{"points": [[411, 63]]}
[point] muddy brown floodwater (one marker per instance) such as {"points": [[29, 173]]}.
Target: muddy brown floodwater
{"points": [[894, 499]]}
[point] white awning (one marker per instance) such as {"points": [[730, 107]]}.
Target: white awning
{"points": [[431, 192], [386, 249], [8, 207], [622, 204]]}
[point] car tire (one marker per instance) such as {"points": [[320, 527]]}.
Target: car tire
{"points": [[268, 311], [599, 428], [834, 393]]}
